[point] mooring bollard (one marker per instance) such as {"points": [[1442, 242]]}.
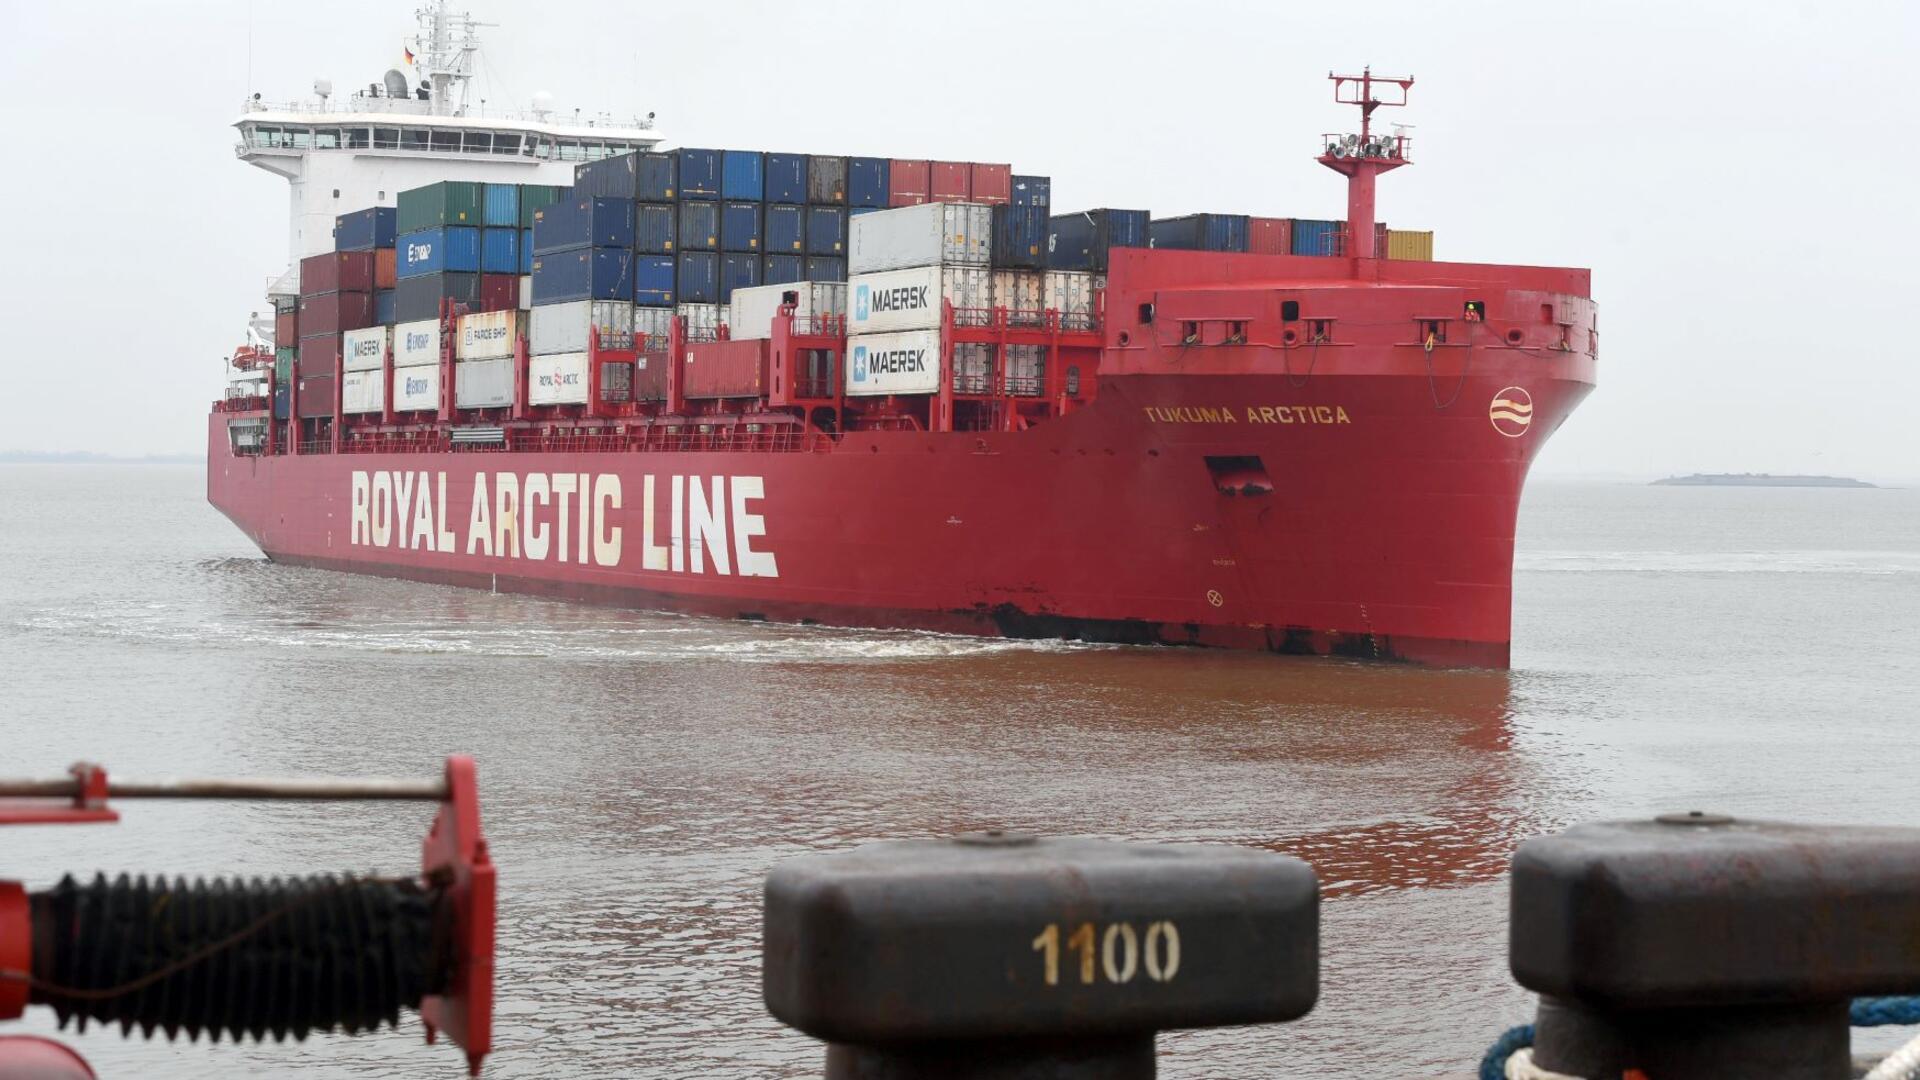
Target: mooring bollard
{"points": [[998, 956], [1709, 948]]}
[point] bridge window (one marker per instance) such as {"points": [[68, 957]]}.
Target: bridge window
{"points": [[572, 151], [414, 139], [301, 138], [356, 138], [504, 143], [477, 142], [386, 138], [263, 136], [326, 139], [446, 141]]}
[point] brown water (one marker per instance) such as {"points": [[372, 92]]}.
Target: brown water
{"points": [[1756, 651]]}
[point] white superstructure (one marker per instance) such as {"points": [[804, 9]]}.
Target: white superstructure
{"points": [[412, 129]]}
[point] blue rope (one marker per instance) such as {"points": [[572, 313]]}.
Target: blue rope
{"points": [[1494, 1065]]}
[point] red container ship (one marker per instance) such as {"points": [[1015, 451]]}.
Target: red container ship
{"points": [[1314, 454]]}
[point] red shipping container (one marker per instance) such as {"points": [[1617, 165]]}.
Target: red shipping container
{"points": [[1270, 235], [319, 355], [725, 369], [383, 275], [336, 271], [952, 181], [334, 312], [315, 396], [991, 183], [907, 182], [499, 292], [650, 376], [286, 328]]}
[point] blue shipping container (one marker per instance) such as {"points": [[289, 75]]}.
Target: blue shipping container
{"points": [[743, 175], [867, 179], [600, 273], [1200, 232], [1081, 241], [699, 229], [698, 277], [699, 174], [740, 227], [787, 178], [578, 223], [738, 272], [432, 251], [1020, 237], [1032, 190], [282, 400], [783, 270], [500, 206], [383, 307], [822, 268], [654, 229], [786, 230], [526, 251], [826, 230], [1317, 237], [657, 177], [653, 280], [608, 178], [364, 230], [499, 251]]}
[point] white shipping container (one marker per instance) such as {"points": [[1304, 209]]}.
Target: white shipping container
{"points": [[750, 316], [931, 234], [910, 299], [1026, 370], [1023, 293], [488, 335], [557, 379], [363, 391], [416, 343], [416, 388], [526, 289], [1070, 292], [364, 350], [652, 326], [566, 328], [483, 384], [973, 369], [703, 320], [902, 363]]}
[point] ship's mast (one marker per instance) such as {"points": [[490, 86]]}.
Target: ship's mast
{"points": [[445, 49], [1363, 157]]}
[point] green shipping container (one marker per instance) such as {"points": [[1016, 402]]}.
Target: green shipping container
{"points": [[533, 197], [282, 366], [450, 202]]}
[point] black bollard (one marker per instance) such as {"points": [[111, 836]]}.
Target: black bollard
{"points": [[1709, 948], [1003, 957]]}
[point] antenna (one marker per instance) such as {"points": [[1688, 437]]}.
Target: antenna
{"points": [[1363, 157]]}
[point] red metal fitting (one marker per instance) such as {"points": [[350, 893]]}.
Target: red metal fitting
{"points": [[456, 852], [16, 949]]}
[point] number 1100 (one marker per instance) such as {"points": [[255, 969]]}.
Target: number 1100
{"points": [[1119, 956]]}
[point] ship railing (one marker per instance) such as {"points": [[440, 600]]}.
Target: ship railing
{"points": [[1025, 385], [972, 382], [813, 388], [1024, 319], [819, 326]]}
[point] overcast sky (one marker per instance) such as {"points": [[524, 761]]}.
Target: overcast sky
{"points": [[1740, 176]]}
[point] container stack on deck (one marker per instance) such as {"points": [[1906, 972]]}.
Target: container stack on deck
{"points": [[905, 263], [336, 295]]}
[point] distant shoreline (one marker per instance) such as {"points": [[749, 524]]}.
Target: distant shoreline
{"points": [[77, 457], [1760, 480]]}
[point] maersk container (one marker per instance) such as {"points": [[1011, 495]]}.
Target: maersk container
{"points": [[783, 269], [654, 228], [500, 206], [699, 226], [698, 173], [786, 230], [363, 392], [486, 335], [826, 268], [483, 384], [565, 328], [364, 349], [499, 251], [330, 313], [600, 273], [1081, 241], [1270, 235], [786, 178], [1313, 237], [385, 307], [949, 181], [608, 178], [1407, 244], [421, 297], [557, 379], [869, 182], [454, 250], [336, 271], [826, 180], [499, 292], [914, 299], [449, 202], [1200, 232], [653, 280], [658, 177], [936, 234], [740, 227], [316, 396], [697, 278], [751, 312], [743, 175], [826, 230], [989, 183], [364, 230], [1032, 191], [417, 389], [737, 271], [416, 343], [908, 182], [903, 363], [1020, 237], [537, 197], [584, 222]]}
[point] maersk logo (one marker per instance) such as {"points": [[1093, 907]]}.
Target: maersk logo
{"points": [[860, 351], [860, 310]]}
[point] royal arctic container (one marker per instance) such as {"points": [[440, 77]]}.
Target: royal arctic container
{"points": [[737, 271], [653, 280], [827, 180], [658, 176], [386, 268], [450, 202], [500, 206], [740, 226], [949, 181], [1407, 244], [699, 226], [654, 228], [911, 299], [421, 297], [651, 326], [702, 320], [869, 182], [365, 230], [1312, 237], [363, 392], [316, 396], [1020, 237], [416, 343], [826, 230], [783, 269], [1032, 191], [608, 178], [826, 268], [578, 223], [499, 292], [935, 234], [786, 178], [386, 307], [452, 250], [697, 277], [487, 335], [1080, 241], [364, 349], [499, 251], [990, 183], [336, 271], [1072, 294], [751, 312], [535, 198], [1200, 232], [333, 312], [1022, 294], [743, 175], [600, 273], [908, 182], [483, 384], [699, 173], [725, 369], [567, 328], [904, 363], [557, 379], [319, 354], [1270, 235], [786, 230], [417, 389]]}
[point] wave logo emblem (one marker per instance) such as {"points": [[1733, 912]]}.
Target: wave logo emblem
{"points": [[862, 303], [859, 363], [1511, 412]]}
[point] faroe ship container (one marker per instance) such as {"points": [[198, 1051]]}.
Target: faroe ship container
{"points": [[416, 389], [1020, 237], [487, 335], [826, 268], [483, 384], [737, 271], [913, 299], [1200, 232], [935, 234], [697, 278], [420, 297], [783, 269], [654, 228], [743, 175], [585, 222], [583, 274], [1270, 235], [364, 349], [500, 207], [364, 230], [537, 197], [989, 183], [557, 379], [658, 177], [449, 202], [950, 181], [723, 369], [565, 328], [1032, 191], [786, 178], [786, 230], [907, 182], [455, 249], [499, 251], [740, 226], [869, 182], [1313, 237], [608, 178], [653, 280], [699, 227], [826, 180], [1407, 244], [416, 343], [1080, 241], [903, 363], [698, 172], [826, 230]]}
